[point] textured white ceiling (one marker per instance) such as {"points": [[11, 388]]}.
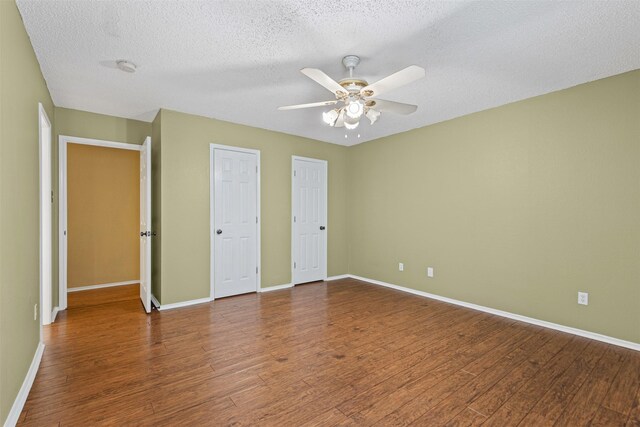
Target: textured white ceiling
{"points": [[240, 60]]}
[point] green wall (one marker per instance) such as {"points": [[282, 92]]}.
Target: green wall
{"points": [[185, 201], [83, 124], [21, 88], [517, 208]]}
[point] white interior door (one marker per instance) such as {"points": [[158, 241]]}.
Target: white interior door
{"points": [[145, 224], [309, 234], [235, 222]]}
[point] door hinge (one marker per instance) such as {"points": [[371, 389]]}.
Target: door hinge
{"points": [[256, 220], [294, 173], [256, 168], [294, 218], [256, 270], [294, 264], [51, 196]]}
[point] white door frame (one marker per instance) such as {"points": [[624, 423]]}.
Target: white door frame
{"points": [[63, 140], [212, 175], [326, 214], [46, 206]]}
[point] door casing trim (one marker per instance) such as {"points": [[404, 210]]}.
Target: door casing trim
{"points": [[45, 129], [63, 140]]}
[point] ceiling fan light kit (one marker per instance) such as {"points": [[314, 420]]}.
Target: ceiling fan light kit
{"points": [[351, 126], [330, 117], [355, 108], [357, 95], [372, 115]]}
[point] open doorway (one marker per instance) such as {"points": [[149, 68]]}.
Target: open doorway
{"points": [[105, 216]]}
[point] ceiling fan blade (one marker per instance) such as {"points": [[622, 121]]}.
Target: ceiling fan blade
{"points": [[313, 104], [392, 107], [322, 79], [395, 80], [340, 121]]}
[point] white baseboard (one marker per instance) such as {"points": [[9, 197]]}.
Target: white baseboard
{"points": [[21, 398], [54, 313], [276, 287], [162, 307], [531, 320], [103, 285], [342, 276]]}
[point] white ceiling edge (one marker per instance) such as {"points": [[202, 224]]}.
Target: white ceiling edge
{"points": [[477, 55]]}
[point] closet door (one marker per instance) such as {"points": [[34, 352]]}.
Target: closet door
{"points": [[235, 223], [309, 226]]}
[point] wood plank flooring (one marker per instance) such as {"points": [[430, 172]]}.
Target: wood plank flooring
{"points": [[325, 354], [102, 296]]}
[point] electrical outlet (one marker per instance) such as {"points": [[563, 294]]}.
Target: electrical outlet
{"points": [[583, 298], [35, 311], [429, 271], [400, 266]]}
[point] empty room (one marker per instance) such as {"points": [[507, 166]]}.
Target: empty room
{"points": [[314, 213]]}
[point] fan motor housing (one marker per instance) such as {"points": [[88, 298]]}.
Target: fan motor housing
{"points": [[353, 85]]}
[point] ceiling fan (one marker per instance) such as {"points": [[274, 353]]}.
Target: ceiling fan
{"points": [[357, 96]]}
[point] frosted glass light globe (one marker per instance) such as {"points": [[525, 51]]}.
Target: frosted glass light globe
{"points": [[355, 109], [330, 117], [351, 126]]}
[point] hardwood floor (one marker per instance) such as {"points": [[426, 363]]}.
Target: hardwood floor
{"points": [[102, 296], [324, 354]]}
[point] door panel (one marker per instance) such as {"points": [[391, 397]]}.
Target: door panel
{"points": [[145, 224], [235, 234], [309, 200]]}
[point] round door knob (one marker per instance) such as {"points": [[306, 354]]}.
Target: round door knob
{"points": [[218, 231], [143, 233], [322, 227]]}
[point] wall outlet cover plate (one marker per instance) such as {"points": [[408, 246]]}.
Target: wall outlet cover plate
{"points": [[583, 298]]}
